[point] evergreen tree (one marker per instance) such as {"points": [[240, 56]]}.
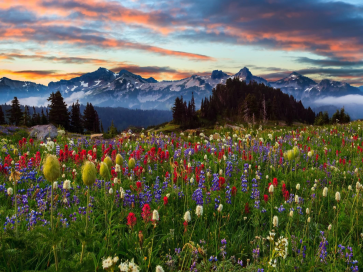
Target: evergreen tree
{"points": [[275, 109], [340, 117], [58, 113], [289, 116], [91, 120], [26, 117], [76, 118], [101, 127], [112, 130], [246, 112], [14, 113], [322, 119], [96, 124], [264, 110], [2, 117], [44, 119], [38, 120], [177, 111], [34, 118], [88, 117], [192, 105]]}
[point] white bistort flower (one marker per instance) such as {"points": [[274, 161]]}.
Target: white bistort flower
{"points": [[187, 216], [275, 221], [337, 196], [122, 193], [67, 184], [155, 215], [325, 192], [199, 210], [10, 191], [159, 269]]}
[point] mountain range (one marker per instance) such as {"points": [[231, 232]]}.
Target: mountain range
{"points": [[105, 88]]}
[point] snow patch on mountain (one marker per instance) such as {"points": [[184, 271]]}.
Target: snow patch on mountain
{"points": [[149, 97]]}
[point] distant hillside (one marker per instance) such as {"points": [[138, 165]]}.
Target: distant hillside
{"points": [[123, 118], [330, 109]]}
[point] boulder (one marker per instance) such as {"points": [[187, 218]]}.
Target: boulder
{"points": [[97, 136], [216, 136], [42, 132]]}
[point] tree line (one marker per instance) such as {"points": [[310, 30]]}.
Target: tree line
{"points": [[79, 118], [56, 113], [239, 101], [184, 113], [340, 116]]}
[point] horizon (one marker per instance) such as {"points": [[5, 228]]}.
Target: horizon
{"points": [[203, 74], [53, 40]]}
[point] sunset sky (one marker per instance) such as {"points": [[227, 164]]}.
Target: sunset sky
{"points": [[49, 40]]}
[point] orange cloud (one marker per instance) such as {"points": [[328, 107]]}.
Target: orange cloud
{"points": [[38, 75], [88, 38], [43, 56]]}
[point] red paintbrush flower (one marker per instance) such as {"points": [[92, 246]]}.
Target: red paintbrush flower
{"points": [[131, 220], [146, 213], [265, 197], [275, 182], [247, 208], [234, 191], [222, 181]]}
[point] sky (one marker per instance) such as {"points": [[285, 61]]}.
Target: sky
{"points": [[49, 40]]}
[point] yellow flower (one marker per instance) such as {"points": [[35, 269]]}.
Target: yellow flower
{"points": [[51, 168], [132, 163], [104, 170], [119, 159], [290, 155], [108, 161], [89, 173], [296, 151]]}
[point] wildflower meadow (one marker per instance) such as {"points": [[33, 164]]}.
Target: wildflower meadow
{"points": [[233, 199]]}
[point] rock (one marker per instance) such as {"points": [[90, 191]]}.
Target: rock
{"points": [[42, 132], [97, 136], [190, 131], [216, 136], [232, 127]]}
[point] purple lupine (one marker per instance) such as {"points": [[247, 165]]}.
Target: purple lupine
{"points": [[228, 195], [198, 196], [215, 183], [323, 253]]}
